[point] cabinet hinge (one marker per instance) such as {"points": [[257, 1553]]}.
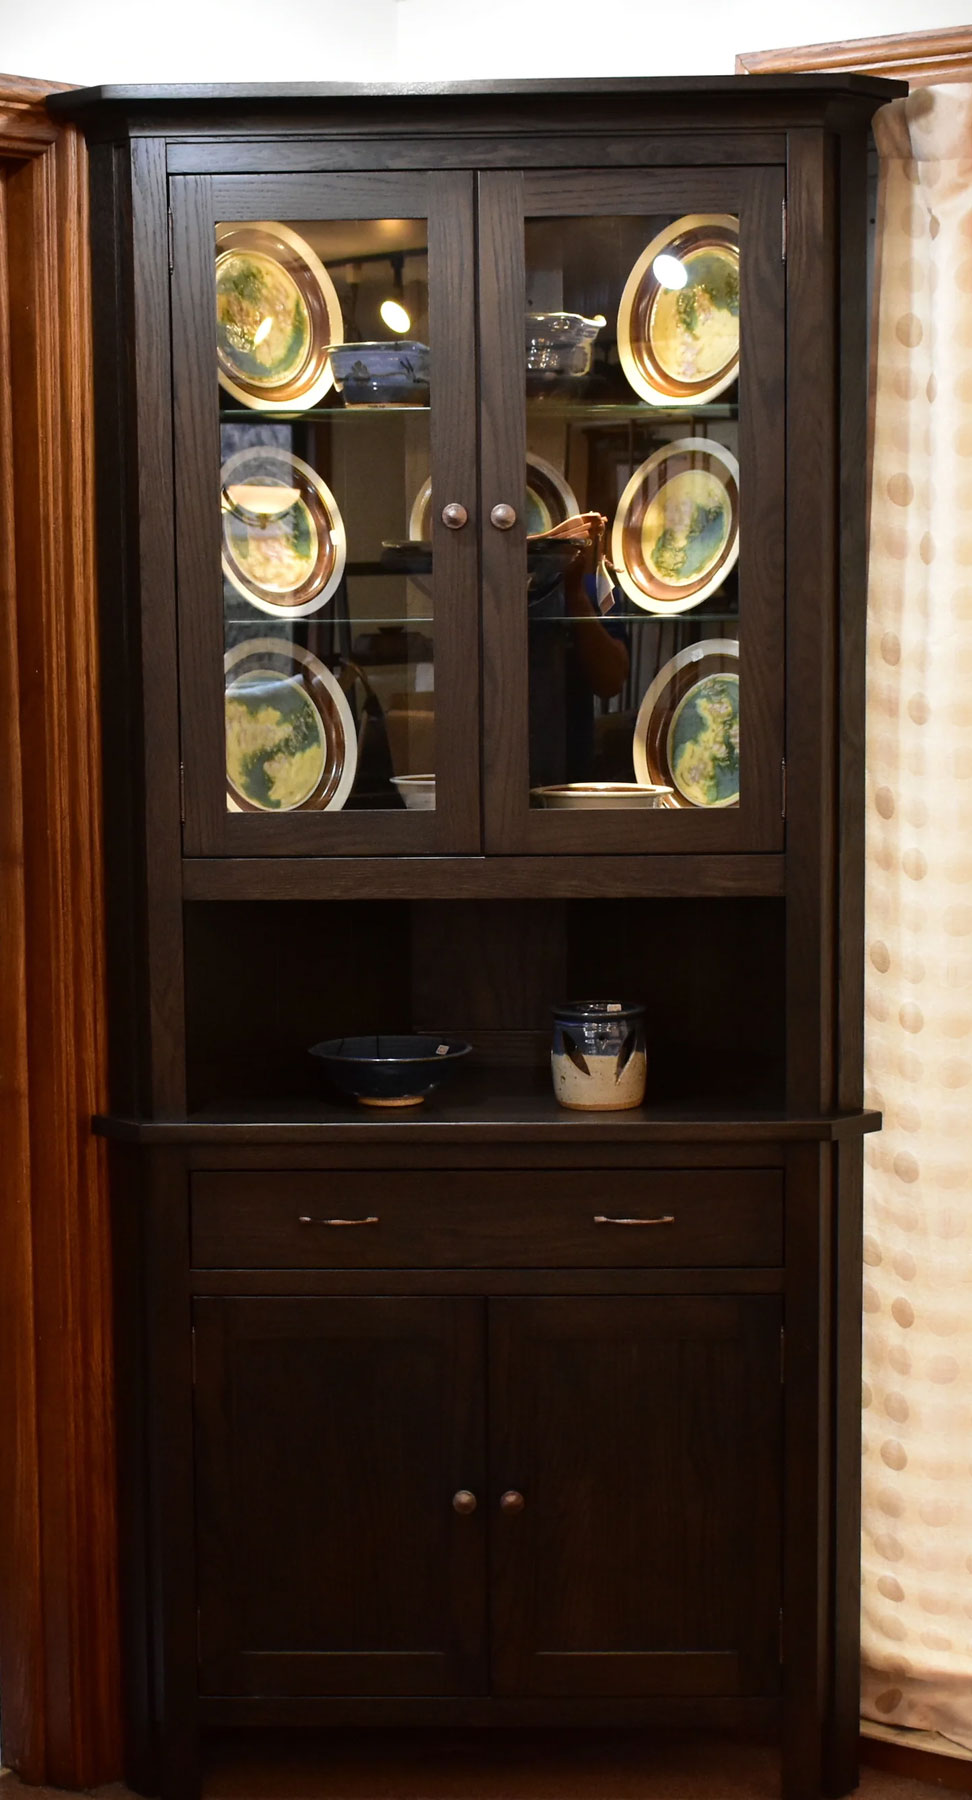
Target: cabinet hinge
{"points": [[182, 792], [199, 1634], [782, 1354], [782, 231], [783, 787], [779, 1643], [192, 1336], [171, 251]]}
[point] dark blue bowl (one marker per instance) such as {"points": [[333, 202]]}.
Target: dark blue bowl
{"points": [[388, 1071]]}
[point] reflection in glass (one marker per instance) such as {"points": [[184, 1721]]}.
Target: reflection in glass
{"points": [[325, 376], [632, 460]]}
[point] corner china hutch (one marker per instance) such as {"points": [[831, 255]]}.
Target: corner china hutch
{"points": [[484, 1411]]}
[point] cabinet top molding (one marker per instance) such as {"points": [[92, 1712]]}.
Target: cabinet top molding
{"points": [[78, 102]]}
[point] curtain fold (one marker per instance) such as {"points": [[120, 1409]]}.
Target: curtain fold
{"points": [[917, 1520]]}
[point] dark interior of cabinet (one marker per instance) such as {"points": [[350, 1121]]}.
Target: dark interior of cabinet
{"points": [[265, 980]]}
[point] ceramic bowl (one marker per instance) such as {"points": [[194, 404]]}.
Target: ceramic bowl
{"points": [[387, 374], [388, 1071], [598, 796], [559, 345], [417, 791]]}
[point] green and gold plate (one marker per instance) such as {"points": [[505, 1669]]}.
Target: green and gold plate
{"points": [[678, 322], [284, 544], [675, 535], [686, 735], [277, 314], [290, 738]]}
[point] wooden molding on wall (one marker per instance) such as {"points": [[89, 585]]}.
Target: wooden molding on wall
{"points": [[59, 1636], [918, 57]]}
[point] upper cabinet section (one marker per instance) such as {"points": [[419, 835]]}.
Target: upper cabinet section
{"points": [[325, 443], [507, 506], [610, 569]]}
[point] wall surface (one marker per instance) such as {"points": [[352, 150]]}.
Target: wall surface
{"points": [[87, 41]]}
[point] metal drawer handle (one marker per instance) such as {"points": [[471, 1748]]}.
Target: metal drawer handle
{"points": [[305, 1219], [603, 1219]]}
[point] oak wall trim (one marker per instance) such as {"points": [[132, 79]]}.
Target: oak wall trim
{"points": [[918, 57], [59, 1656]]}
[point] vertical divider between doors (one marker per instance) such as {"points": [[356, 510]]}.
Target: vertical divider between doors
{"points": [[454, 463], [502, 285]]}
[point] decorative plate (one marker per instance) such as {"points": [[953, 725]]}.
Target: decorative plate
{"points": [[686, 734], [290, 738], [680, 343], [284, 542], [277, 312], [675, 535], [549, 500]]}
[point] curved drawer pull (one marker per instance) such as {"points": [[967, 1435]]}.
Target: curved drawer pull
{"points": [[305, 1219], [603, 1219]]}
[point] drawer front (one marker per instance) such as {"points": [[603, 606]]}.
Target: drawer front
{"points": [[488, 1218]]}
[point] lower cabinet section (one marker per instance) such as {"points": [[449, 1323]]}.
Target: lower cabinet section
{"points": [[552, 1496]]}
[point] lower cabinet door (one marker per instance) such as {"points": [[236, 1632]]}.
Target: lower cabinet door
{"points": [[643, 1437], [331, 1437]]}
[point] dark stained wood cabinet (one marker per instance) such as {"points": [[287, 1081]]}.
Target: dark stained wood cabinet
{"points": [[331, 1436], [644, 1434], [563, 1427]]}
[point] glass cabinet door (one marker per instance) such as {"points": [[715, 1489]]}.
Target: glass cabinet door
{"points": [[633, 510], [324, 378]]}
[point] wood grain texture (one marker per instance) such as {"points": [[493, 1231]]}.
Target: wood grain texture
{"points": [[252, 155], [644, 1437], [917, 57], [464, 1219], [348, 1424], [481, 877], [60, 1677], [807, 1550], [812, 577]]}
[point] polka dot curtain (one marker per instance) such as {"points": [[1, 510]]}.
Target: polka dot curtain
{"points": [[917, 1543]]}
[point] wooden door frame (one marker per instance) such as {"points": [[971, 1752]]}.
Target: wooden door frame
{"points": [[918, 57], [59, 1637]]}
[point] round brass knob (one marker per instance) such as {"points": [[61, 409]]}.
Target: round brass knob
{"points": [[454, 515], [464, 1501], [511, 1501], [503, 516]]}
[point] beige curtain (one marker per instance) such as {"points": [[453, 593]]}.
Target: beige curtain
{"points": [[917, 1541]]}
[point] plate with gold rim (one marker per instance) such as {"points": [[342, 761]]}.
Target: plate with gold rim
{"points": [[277, 314], [686, 735], [675, 535], [284, 543], [678, 321], [290, 736]]}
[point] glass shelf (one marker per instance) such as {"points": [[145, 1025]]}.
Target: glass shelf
{"points": [[251, 415], [639, 617], [257, 619], [635, 411]]}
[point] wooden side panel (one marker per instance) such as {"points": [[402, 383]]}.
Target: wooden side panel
{"points": [[811, 597], [59, 1665]]}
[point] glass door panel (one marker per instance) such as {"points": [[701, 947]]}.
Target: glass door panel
{"points": [[651, 634], [334, 339]]}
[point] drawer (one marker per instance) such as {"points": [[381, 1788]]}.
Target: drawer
{"points": [[487, 1218]]}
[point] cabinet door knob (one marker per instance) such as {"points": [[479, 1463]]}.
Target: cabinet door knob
{"points": [[503, 516], [464, 1501], [511, 1501], [454, 515]]}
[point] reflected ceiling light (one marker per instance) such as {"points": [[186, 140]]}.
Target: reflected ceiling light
{"points": [[395, 316], [669, 272], [392, 311], [263, 329]]}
